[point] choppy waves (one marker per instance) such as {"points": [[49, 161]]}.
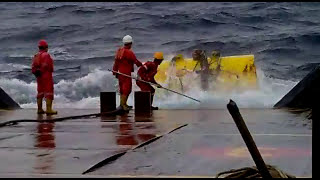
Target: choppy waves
{"points": [[83, 37]]}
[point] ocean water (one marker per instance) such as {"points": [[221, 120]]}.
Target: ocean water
{"points": [[83, 38]]}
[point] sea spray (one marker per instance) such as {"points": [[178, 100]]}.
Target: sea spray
{"points": [[269, 91], [83, 93]]}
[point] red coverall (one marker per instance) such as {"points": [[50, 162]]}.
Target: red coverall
{"points": [[45, 81], [147, 75], [123, 63]]}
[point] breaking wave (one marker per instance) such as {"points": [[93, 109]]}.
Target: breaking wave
{"points": [[270, 91], [83, 93]]}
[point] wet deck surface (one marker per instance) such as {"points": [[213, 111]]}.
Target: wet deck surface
{"points": [[209, 144]]}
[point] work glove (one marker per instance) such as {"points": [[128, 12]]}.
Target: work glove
{"points": [[159, 86], [145, 67], [37, 73]]}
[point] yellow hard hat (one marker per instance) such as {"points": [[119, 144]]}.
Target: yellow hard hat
{"points": [[158, 55]]}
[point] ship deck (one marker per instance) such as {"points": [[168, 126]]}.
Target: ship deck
{"points": [[187, 143]]}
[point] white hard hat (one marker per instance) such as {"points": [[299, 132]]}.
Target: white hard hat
{"points": [[127, 39]]}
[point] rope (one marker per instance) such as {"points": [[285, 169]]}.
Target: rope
{"points": [[14, 122], [253, 172]]}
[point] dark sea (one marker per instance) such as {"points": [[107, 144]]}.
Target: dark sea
{"points": [[83, 37]]}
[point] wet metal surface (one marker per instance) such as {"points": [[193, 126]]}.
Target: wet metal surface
{"points": [[7, 115], [210, 143], [68, 147]]}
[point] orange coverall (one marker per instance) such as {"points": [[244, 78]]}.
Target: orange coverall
{"points": [[147, 75], [43, 61], [124, 61]]}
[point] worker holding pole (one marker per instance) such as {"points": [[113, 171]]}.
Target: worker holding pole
{"points": [[147, 73], [154, 85], [123, 66], [124, 61]]}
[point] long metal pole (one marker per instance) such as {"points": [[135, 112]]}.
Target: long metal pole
{"points": [[155, 85], [251, 145]]}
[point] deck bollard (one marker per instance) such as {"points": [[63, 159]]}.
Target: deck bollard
{"points": [[142, 102], [107, 101]]}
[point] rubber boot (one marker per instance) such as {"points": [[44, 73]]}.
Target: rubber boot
{"points": [[126, 99], [123, 102], [129, 107], [153, 108], [50, 111], [40, 110]]}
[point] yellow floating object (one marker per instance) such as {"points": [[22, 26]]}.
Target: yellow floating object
{"points": [[235, 71]]}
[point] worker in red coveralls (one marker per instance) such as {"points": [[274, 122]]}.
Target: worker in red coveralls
{"points": [[42, 68], [124, 61], [147, 73]]}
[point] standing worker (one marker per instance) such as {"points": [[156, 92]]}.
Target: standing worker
{"points": [[147, 73], [124, 60], [200, 56], [42, 68]]}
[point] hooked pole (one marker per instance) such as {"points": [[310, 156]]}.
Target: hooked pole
{"points": [[154, 85]]}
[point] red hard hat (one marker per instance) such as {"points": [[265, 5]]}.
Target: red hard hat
{"points": [[42, 43]]}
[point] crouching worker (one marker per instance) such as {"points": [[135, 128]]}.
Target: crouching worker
{"points": [[42, 68], [147, 73]]}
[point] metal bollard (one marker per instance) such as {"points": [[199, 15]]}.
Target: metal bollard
{"points": [[142, 102], [107, 101]]}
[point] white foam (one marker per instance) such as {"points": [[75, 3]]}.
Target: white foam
{"points": [[63, 54], [270, 92], [14, 54], [84, 93], [88, 86], [12, 67], [19, 90]]}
